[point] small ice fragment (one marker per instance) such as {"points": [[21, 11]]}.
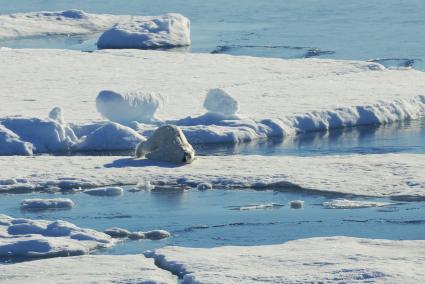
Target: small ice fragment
{"points": [[143, 184], [167, 144], [157, 234], [136, 236], [219, 101], [296, 204], [106, 191], [204, 186], [40, 204], [352, 204], [117, 232]]}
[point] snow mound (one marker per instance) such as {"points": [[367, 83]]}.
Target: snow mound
{"points": [[87, 269], [220, 102], [44, 135], [10, 144], [296, 204], [42, 204], [323, 260], [168, 144], [352, 204], [41, 238], [129, 107], [106, 191], [111, 136], [170, 30]]}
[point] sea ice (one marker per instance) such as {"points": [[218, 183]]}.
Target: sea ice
{"points": [[352, 204], [123, 233], [10, 144], [204, 186], [156, 234], [168, 144], [125, 108], [41, 238], [110, 136], [219, 101], [117, 232], [323, 260], [42, 204], [170, 30], [143, 184], [106, 191]]}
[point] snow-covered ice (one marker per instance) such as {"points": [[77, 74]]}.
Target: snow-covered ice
{"points": [[218, 101], [124, 233], [41, 238], [352, 204], [42, 204], [87, 269], [256, 206], [125, 108], [167, 144], [204, 186], [170, 30], [105, 191], [10, 144], [399, 176], [276, 97], [327, 260]]}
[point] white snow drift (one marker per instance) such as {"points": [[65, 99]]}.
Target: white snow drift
{"points": [[42, 204], [168, 144], [170, 30], [41, 238], [87, 269], [125, 108], [327, 260]]}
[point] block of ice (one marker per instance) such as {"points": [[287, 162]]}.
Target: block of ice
{"points": [[168, 144], [219, 101], [157, 234], [352, 204], [128, 107], [41, 238], [170, 30], [117, 232], [110, 136], [10, 144], [105, 191], [42, 204]]}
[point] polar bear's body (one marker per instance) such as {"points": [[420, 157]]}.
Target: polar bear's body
{"points": [[167, 143]]}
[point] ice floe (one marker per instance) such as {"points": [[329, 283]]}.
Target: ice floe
{"points": [[43, 204], [105, 191], [123, 233], [125, 108], [167, 144], [87, 269], [352, 204], [399, 176], [256, 206], [170, 30], [333, 259], [41, 238], [10, 144]]}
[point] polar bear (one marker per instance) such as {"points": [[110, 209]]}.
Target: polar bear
{"points": [[167, 143]]}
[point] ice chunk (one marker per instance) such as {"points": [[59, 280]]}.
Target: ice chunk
{"points": [[42, 204], [125, 108], [157, 234], [111, 136], [45, 135], [167, 143], [137, 236], [106, 191], [143, 184], [296, 204], [256, 206], [56, 114], [219, 101], [204, 186], [117, 232], [41, 238], [10, 144], [170, 30], [352, 204]]}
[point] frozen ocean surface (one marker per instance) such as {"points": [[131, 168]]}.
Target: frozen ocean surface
{"points": [[390, 32]]}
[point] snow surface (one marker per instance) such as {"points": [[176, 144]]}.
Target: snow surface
{"points": [[327, 260], [352, 204], [276, 97], [40, 238], [399, 176], [42, 204], [87, 269], [170, 30]]}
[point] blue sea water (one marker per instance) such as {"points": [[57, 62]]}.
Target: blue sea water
{"points": [[391, 32]]}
